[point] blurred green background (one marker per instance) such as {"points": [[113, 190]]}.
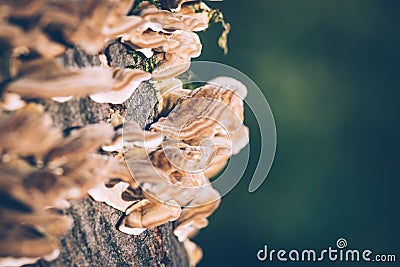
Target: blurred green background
{"points": [[330, 72]]}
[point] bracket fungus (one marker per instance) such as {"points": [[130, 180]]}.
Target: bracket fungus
{"points": [[152, 176], [170, 162], [46, 79], [170, 35], [125, 82], [39, 172], [173, 21]]}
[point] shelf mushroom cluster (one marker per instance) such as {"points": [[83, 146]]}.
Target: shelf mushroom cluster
{"points": [[171, 163], [165, 175], [170, 35], [90, 24], [40, 171]]}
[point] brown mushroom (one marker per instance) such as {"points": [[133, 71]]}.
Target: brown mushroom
{"points": [[23, 244], [41, 174], [22, 8], [133, 134], [35, 40], [86, 139], [169, 92], [141, 39], [170, 167], [99, 21], [148, 214], [194, 252], [111, 195], [191, 120], [171, 21], [126, 81], [194, 215], [201, 130], [170, 67], [178, 61], [57, 82], [200, 12], [230, 84], [12, 102], [46, 79], [28, 132]]}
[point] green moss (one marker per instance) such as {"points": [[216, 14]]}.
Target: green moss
{"points": [[142, 62]]}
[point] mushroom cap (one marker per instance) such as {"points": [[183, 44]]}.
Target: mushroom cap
{"points": [[149, 39], [169, 92], [230, 84], [50, 223], [194, 216], [126, 81], [24, 241], [35, 40], [63, 82], [63, 169], [100, 20], [171, 67], [202, 16], [46, 79], [172, 20], [148, 214], [112, 196], [196, 116], [161, 183], [122, 25], [88, 24], [88, 138], [28, 132], [133, 135], [22, 8], [194, 252], [190, 45], [12, 102]]}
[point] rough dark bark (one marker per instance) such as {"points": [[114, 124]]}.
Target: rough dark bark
{"points": [[94, 239]]}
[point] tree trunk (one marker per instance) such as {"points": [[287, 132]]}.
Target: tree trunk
{"points": [[94, 239]]}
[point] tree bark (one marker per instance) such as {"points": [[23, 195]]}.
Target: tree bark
{"points": [[94, 239]]}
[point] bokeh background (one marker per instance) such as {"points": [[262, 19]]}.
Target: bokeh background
{"points": [[330, 72]]}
